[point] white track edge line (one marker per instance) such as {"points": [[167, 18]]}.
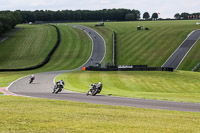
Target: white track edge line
{"points": [[178, 47], [187, 53], [7, 88]]}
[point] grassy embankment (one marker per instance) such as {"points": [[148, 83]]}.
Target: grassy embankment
{"points": [[27, 47], [151, 47], [73, 51]]}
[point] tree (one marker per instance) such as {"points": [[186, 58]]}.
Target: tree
{"points": [[1, 28], [17, 17], [177, 16], [9, 20], [146, 15], [184, 15], [154, 16], [137, 13], [130, 17]]}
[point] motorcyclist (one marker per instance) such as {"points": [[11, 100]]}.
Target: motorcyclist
{"points": [[32, 77], [95, 86], [99, 87], [60, 84], [92, 87]]}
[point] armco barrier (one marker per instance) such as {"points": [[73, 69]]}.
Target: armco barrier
{"points": [[131, 66], [46, 60], [91, 68]]}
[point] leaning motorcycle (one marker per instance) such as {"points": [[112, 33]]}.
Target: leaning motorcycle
{"points": [[31, 80], [57, 88], [94, 89]]}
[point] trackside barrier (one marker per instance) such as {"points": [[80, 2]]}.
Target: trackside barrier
{"points": [[91, 68], [46, 60], [114, 49], [83, 68], [131, 66]]}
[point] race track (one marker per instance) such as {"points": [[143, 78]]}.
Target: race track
{"points": [[177, 57], [43, 86], [9, 34]]}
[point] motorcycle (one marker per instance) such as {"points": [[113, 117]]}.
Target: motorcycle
{"points": [[94, 89], [31, 79], [57, 88]]}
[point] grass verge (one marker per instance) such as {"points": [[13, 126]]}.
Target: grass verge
{"points": [[180, 86], [42, 115], [7, 77]]}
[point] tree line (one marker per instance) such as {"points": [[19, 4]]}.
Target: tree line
{"points": [[9, 20], [186, 15], [80, 15]]}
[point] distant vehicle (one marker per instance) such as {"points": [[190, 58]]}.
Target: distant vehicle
{"points": [[100, 24]]}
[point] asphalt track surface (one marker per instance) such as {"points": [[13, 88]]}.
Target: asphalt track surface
{"points": [[177, 57], [9, 34], [43, 85]]}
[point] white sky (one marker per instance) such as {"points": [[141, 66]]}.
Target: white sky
{"points": [[166, 8]]}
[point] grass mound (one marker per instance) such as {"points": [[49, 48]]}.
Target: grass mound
{"points": [[74, 50], [28, 47]]}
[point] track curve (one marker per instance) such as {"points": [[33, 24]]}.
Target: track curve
{"points": [[43, 86]]}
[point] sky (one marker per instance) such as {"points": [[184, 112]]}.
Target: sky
{"points": [[166, 8]]}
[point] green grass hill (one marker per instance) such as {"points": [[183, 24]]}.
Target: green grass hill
{"points": [[30, 46], [27, 47], [73, 51], [152, 47], [33, 43]]}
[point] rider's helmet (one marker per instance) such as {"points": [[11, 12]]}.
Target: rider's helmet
{"points": [[99, 84], [62, 82]]}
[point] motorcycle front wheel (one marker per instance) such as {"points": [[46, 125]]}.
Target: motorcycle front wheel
{"points": [[94, 92]]}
